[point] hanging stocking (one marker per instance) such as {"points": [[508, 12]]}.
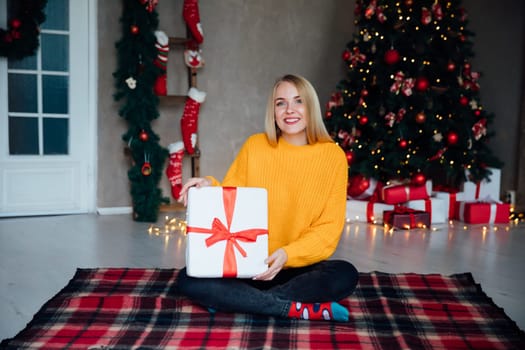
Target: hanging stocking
{"points": [[161, 60], [174, 169], [190, 13], [190, 118]]}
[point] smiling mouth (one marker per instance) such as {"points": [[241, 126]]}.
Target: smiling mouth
{"points": [[291, 120]]}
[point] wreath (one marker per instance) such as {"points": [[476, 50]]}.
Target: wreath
{"points": [[20, 39]]}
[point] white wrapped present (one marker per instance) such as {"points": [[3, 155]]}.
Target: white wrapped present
{"points": [[366, 211], [227, 232], [483, 190], [435, 206], [450, 200]]}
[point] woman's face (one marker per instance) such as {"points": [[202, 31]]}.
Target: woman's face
{"points": [[290, 114]]}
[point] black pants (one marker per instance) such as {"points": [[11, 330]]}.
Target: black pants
{"points": [[330, 280]]}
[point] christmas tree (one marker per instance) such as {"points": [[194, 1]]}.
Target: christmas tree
{"points": [[409, 108], [135, 78]]}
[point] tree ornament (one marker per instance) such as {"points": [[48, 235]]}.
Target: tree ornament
{"points": [[363, 120], [422, 84], [391, 56], [132, 83], [409, 3], [477, 112], [359, 187], [134, 29], [143, 136], [364, 93], [146, 169], [463, 100], [451, 66], [346, 55], [421, 118], [403, 143], [21, 38], [452, 138], [479, 129], [150, 4], [419, 179], [350, 157]]}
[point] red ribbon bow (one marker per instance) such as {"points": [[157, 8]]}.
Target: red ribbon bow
{"points": [[221, 232]]}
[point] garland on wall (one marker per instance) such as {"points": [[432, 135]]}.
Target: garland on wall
{"points": [[135, 77], [21, 38]]}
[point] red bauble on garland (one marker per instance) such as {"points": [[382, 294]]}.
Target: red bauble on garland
{"points": [[143, 136], [134, 29], [403, 143], [346, 55], [420, 118], [392, 57], [21, 38], [363, 120], [463, 100]]}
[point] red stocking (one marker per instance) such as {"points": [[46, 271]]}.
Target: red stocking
{"points": [[161, 60], [190, 118], [174, 169], [190, 13]]}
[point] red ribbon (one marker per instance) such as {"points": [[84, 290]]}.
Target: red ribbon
{"points": [[221, 232]]}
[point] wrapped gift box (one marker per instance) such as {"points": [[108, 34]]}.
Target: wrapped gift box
{"points": [[227, 232], [450, 200], [483, 190], [434, 206], [401, 193], [483, 212], [366, 211], [406, 218]]}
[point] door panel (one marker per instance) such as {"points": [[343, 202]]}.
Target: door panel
{"points": [[44, 118]]}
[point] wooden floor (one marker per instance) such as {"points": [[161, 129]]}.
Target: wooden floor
{"points": [[38, 256]]}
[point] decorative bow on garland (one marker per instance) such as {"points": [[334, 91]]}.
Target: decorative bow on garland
{"points": [[391, 117]]}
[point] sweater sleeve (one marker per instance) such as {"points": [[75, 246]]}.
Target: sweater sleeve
{"points": [[320, 239]]}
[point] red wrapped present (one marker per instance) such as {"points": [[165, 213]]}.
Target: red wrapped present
{"points": [[401, 193], [483, 212], [227, 232], [406, 218]]}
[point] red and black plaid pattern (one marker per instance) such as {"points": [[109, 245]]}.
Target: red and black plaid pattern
{"points": [[119, 308]]}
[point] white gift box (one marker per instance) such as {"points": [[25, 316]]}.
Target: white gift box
{"points": [[366, 211], [485, 190], [450, 201], [227, 232], [438, 210]]}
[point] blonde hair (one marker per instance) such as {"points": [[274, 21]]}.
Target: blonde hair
{"points": [[315, 128]]}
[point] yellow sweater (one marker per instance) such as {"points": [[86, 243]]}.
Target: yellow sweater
{"points": [[306, 194]]}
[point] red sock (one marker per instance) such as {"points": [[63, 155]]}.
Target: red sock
{"points": [[190, 13], [190, 118], [174, 169], [318, 311], [162, 46]]}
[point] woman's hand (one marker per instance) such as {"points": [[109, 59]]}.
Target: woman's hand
{"points": [[194, 181], [276, 262]]}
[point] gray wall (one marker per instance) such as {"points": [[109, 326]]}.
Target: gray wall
{"points": [[248, 43]]}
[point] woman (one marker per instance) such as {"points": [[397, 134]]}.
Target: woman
{"points": [[305, 174]]}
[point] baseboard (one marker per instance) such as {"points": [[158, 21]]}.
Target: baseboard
{"points": [[114, 210]]}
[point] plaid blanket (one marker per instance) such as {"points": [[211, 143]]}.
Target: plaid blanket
{"points": [[119, 308]]}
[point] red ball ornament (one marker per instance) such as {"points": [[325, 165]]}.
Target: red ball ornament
{"points": [[363, 120], [364, 93], [346, 55], [451, 66], [328, 114], [421, 118], [419, 179], [422, 84], [391, 57], [477, 112], [357, 185], [350, 157], [15, 23], [463, 100], [403, 143], [452, 138], [146, 169], [134, 29], [143, 136]]}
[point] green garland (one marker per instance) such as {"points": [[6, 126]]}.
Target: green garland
{"points": [[21, 38], [134, 78]]}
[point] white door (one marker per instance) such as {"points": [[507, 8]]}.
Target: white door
{"points": [[46, 136]]}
